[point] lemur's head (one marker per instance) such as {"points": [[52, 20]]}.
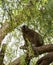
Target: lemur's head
{"points": [[24, 28]]}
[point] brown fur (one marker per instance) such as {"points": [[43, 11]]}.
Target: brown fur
{"points": [[34, 37]]}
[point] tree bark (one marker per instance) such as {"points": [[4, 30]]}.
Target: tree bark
{"points": [[43, 49], [46, 60], [6, 28]]}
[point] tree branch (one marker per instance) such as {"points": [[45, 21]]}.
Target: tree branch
{"points": [[46, 60], [43, 49], [6, 28]]}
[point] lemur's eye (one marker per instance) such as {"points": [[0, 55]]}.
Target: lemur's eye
{"points": [[24, 26]]}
